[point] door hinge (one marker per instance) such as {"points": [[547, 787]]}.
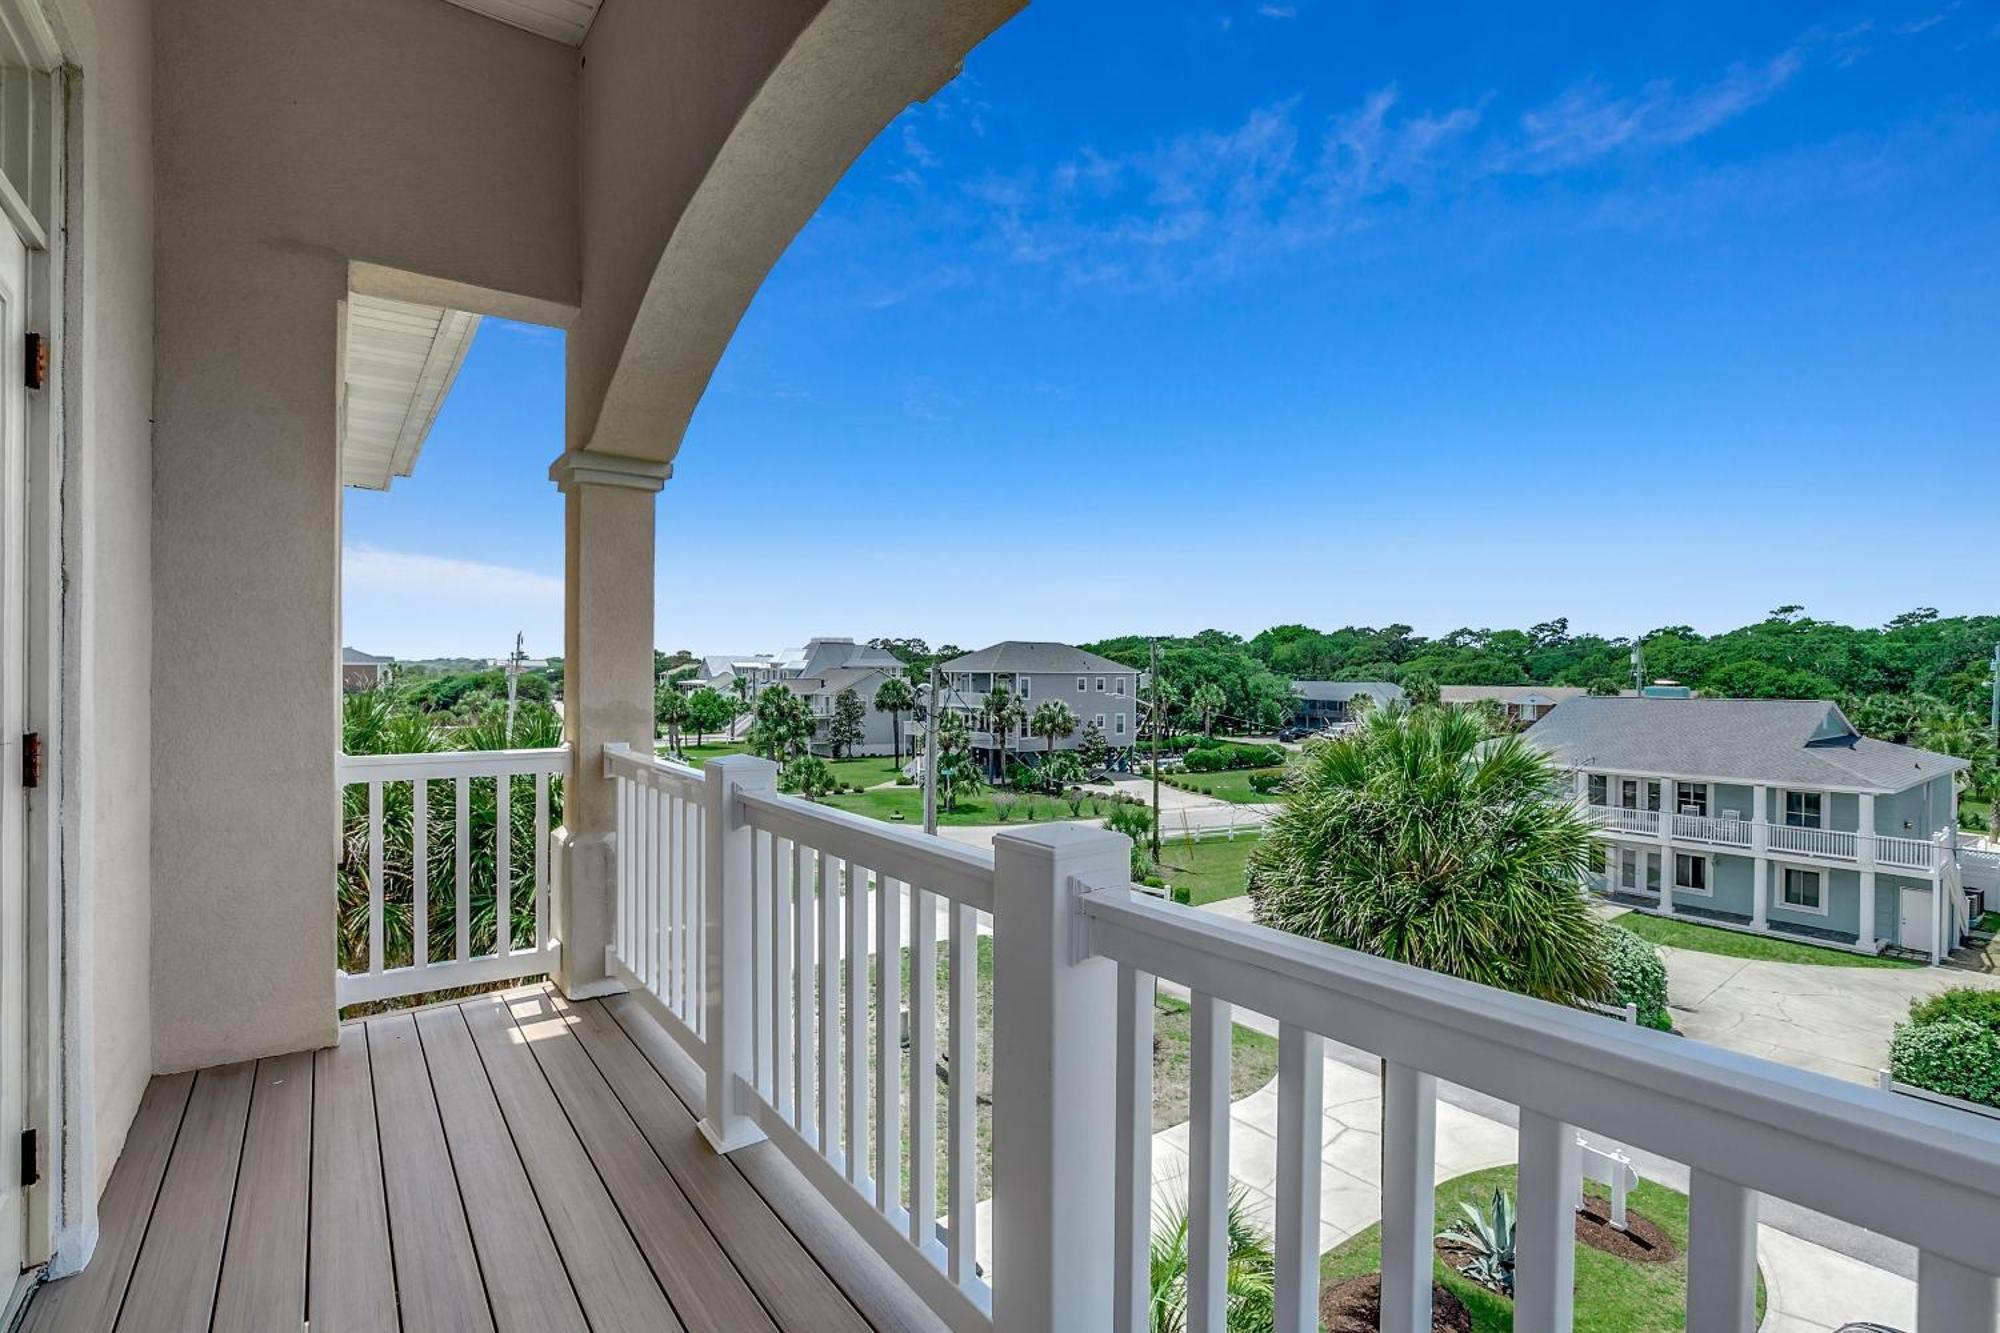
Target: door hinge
{"points": [[31, 1158], [31, 759]]}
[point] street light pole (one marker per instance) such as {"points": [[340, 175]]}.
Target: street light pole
{"points": [[930, 753]]}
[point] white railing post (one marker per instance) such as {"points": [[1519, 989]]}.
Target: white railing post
{"points": [[1054, 1096], [1760, 851], [728, 947], [1409, 1196], [1301, 1139], [1545, 1235], [1669, 810], [1722, 1253]]}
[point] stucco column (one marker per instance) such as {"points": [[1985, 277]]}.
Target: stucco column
{"points": [[1864, 847], [607, 687], [1667, 807]]}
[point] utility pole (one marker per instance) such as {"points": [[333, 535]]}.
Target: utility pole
{"points": [[1153, 683], [514, 662], [1639, 666], [930, 753], [1996, 696]]}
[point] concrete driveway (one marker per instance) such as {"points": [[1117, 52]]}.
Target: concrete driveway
{"points": [[1835, 1020]]}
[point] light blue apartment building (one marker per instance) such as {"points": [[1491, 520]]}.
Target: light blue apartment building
{"points": [[1770, 815]]}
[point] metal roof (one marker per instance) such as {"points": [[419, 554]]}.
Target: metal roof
{"points": [[1466, 694], [398, 363], [1778, 742], [565, 21]]}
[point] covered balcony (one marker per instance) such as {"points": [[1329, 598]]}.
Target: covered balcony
{"points": [[775, 1066]]}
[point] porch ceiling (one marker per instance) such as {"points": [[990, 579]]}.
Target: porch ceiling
{"points": [[564, 21], [400, 361]]}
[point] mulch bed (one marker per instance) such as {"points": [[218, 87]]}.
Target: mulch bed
{"points": [[1355, 1306], [1641, 1242]]}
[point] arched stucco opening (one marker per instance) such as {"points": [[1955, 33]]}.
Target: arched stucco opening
{"points": [[852, 67]]}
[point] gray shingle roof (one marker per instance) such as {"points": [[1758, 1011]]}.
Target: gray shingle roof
{"points": [[1780, 742], [1339, 690], [838, 679], [1023, 656], [1507, 694]]}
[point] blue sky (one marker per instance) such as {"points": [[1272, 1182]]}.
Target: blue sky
{"points": [[1170, 316]]}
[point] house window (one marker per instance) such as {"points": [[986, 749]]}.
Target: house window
{"points": [[1118, 687], [1690, 873], [1100, 684], [1628, 793], [1802, 809], [1100, 721], [1081, 685], [1600, 789], [1802, 890], [1652, 872], [1026, 681], [1692, 798], [1119, 728]]}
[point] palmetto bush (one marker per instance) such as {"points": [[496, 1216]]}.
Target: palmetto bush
{"points": [[1249, 1272], [377, 722], [1418, 838]]}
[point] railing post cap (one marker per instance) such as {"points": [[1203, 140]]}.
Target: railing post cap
{"points": [[744, 770], [1058, 839]]}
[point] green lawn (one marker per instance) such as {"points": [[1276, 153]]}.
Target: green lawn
{"points": [[864, 772], [1233, 786], [1974, 815], [905, 805], [1613, 1295], [1736, 944], [701, 754], [1211, 869]]}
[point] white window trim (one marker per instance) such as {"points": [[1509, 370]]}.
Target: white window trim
{"points": [[1082, 684], [1778, 902], [1707, 798], [1707, 874], [1118, 724], [1100, 684], [1118, 686], [1785, 795], [1100, 721]]}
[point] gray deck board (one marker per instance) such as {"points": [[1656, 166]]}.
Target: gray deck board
{"points": [[512, 1162], [438, 1283], [263, 1284], [173, 1285]]}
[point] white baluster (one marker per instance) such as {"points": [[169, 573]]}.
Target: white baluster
{"points": [[854, 1022], [420, 872], [1301, 1131], [1409, 1197], [541, 861], [805, 1000], [1132, 1220], [923, 1069], [1722, 1253], [1954, 1298], [503, 865], [1545, 1236], [1208, 1165], [781, 974], [374, 877], [962, 1058], [462, 846], [830, 875], [888, 1043]]}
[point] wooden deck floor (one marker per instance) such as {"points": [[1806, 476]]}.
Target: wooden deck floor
{"points": [[514, 1162]]}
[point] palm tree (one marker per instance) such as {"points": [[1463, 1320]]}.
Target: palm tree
{"points": [[1002, 711], [1053, 721], [1416, 838], [895, 697], [670, 710], [1206, 701], [1249, 1272]]}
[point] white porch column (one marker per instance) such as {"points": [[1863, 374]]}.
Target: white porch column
{"points": [[1054, 1084], [1760, 848], [607, 687], [1668, 804], [1864, 847]]}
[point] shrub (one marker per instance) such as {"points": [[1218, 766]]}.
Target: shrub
{"points": [[1182, 894], [1978, 1006], [1638, 976], [1958, 1057], [1267, 783], [1218, 758]]}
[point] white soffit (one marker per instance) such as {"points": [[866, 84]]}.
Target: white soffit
{"points": [[564, 21], [400, 360]]}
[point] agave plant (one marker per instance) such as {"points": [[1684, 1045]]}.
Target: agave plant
{"points": [[1249, 1274], [1487, 1235]]}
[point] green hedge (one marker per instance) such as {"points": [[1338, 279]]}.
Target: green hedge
{"points": [[1638, 977], [1979, 1006], [1221, 757], [1955, 1056]]}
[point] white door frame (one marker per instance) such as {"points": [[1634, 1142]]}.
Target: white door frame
{"points": [[1927, 914], [40, 91]]}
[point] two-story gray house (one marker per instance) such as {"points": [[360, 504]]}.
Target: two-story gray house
{"points": [[1769, 815], [1096, 689], [1320, 704], [828, 667]]}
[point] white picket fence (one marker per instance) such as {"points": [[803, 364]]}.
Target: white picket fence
{"points": [[794, 900], [431, 968]]}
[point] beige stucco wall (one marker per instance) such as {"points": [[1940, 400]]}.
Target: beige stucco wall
{"points": [[293, 138]]}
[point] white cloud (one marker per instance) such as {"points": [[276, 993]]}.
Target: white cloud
{"points": [[414, 605], [1270, 11], [366, 569], [1588, 122]]}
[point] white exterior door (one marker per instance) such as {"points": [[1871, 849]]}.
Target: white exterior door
{"points": [[1916, 929], [13, 797]]}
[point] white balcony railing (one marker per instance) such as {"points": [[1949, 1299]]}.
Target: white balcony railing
{"points": [[1708, 828], [1646, 823], [1910, 853], [1832, 844], [794, 899], [470, 824]]}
